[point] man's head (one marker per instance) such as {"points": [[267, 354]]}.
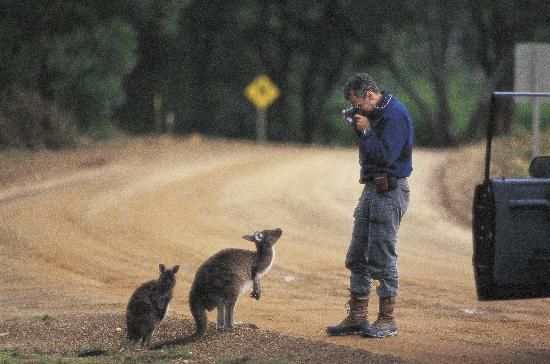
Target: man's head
{"points": [[362, 91]]}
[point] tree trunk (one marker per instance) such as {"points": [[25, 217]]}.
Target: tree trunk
{"points": [[278, 68], [439, 30], [496, 54]]}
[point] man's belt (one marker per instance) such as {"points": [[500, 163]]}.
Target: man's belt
{"points": [[382, 180]]}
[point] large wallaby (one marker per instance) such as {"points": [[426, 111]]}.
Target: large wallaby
{"points": [[223, 277], [148, 305]]}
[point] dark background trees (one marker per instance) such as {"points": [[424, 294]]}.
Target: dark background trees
{"points": [[110, 65]]}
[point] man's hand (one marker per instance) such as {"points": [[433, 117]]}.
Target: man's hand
{"points": [[361, 122]]}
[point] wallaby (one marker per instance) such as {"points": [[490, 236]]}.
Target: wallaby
{"points": [[148, 305], [223, 277]]}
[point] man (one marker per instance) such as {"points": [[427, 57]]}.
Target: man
{"points": [[385, 155]]}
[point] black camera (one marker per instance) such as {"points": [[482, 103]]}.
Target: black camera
{"points": [[349, 112]]}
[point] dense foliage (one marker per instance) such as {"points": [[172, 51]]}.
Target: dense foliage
{"points": [[127, 64]]}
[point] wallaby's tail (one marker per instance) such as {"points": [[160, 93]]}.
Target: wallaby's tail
{"points": [[201, 323], [199, 314]]}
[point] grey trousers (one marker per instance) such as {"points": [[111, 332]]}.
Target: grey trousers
{"points": [[372, 252]]}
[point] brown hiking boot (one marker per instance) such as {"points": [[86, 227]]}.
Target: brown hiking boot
{"points": [[357, 319], [385, 324]]}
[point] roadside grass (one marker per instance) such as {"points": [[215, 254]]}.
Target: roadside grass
{"points": [[247, 360], [126, 354], [151, 356], [97, 355], [11, 356]]}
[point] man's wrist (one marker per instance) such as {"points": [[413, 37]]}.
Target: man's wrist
{"points": [[366, 130]]}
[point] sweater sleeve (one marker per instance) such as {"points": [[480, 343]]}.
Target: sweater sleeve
{"points": [[385, 149]]}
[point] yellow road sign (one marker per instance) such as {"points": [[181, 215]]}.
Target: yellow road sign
{"points": [[262, 92]]}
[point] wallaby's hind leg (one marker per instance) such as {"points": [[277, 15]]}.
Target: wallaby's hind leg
{"points": [[222, 317], [226, 311], [230, 317]]}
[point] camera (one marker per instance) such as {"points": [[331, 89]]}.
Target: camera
{"points": [[349, 112]]}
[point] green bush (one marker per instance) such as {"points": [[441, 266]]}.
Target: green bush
{"points": [[28, 120], [89, 68]]}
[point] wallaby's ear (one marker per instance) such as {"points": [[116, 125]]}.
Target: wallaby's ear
{"points": [[249, 237], [175, 268], [162, 268]]}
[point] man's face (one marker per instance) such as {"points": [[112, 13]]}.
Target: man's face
{"points": [[365, 103]]}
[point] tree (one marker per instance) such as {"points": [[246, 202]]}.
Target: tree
{"points": [[88, 67], [302, 47], [200, 55], [498, 26], [28, 29], [439, 27], [156, 23], [73, 53]]}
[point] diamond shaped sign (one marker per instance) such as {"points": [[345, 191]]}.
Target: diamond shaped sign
{"points": [[262, 92]]}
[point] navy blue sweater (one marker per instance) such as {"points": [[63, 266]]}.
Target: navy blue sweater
{"points": [[387, 147]]}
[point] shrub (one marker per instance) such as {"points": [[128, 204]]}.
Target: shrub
{"points": [[28, 120], [88, 66]]}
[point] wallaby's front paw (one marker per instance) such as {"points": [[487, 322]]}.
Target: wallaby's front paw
{"points": [[255, 294]]}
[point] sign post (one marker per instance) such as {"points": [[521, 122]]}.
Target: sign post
{"points": [[532, 73], [261, 92], [157, 106]]}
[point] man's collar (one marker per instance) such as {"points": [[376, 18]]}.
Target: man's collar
{"points": [[381, 105]]}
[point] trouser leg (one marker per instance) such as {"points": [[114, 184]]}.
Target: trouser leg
{"points": [[356, 257], [385, 220], [385, 211]]}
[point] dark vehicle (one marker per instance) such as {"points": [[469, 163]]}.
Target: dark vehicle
{"points": [[511, 227]]}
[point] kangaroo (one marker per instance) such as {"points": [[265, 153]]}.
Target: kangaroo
{"points": [[222, 278], [148, 305]]}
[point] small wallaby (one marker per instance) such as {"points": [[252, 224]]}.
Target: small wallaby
{"points": [[223, 277], [148, 305]]}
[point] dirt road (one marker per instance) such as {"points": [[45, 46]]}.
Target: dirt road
{"points": [[82, 239]]}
